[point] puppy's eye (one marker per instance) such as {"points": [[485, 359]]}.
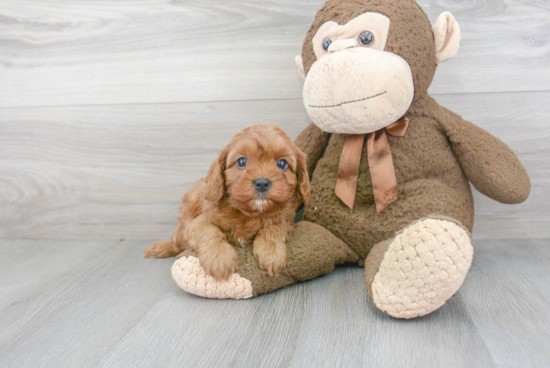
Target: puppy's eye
{"points": [[241, 163], [282, 164], [366, 38], [326, 44]]}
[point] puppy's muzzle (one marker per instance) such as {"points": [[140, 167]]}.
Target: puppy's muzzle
{"points": [[262, 185]]}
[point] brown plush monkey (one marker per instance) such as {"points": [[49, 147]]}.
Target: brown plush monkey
{"points": [[390, 168]]}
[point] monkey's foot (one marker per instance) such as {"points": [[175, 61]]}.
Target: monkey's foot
{"points": [[420, 269], [312, 251], [191, 277]]}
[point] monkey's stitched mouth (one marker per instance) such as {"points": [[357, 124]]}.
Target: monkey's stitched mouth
{"points": [[348, 102]]}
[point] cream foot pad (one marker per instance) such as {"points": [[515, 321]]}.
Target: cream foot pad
{"points": [[191, 277], [423, 268]]}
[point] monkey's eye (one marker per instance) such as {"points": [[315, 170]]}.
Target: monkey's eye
{"points": [[366, 38], [282, 164], [326, 44], [241, 163]]}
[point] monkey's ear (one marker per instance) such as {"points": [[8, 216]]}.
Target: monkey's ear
{"points": [[446, 37], [300, 64], [215, 179], [304, 188]]}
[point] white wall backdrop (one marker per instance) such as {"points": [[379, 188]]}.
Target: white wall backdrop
{"points": [[111, 110]]}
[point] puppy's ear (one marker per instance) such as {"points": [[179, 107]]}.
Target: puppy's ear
{"points": [[215, 179], [303, 189]]}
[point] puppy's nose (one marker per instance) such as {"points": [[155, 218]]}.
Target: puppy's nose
{"points": [[262, 185]]}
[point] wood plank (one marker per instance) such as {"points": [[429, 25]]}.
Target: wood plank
{"points": [[120, 171], [69, 318], [446, 337], [118, 309], [94, 170], [260, 332], [37, 270], [508, 295], [327, 322], [104, 52], [48, 260]]}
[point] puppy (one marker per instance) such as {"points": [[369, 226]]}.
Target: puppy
{"points": [[250, 195]]}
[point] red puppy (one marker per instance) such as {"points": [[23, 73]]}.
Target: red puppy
{"points": [[250, 194]]}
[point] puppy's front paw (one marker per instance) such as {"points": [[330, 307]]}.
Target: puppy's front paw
{"points": [[271, 257], [219, 262]]}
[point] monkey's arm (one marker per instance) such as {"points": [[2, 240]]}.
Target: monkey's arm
{"points": [[313, 142], [491, 166]]}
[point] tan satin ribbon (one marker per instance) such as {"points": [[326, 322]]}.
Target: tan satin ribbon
{"points": [[382, 172]]}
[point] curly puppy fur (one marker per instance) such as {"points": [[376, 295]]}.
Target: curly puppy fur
{"points": [[225, 209]]}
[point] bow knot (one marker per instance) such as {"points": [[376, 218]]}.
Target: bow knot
{"points": [[382, 172]]}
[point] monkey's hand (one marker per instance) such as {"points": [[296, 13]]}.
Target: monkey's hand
{"points": [[491, 166], [313, 142]]}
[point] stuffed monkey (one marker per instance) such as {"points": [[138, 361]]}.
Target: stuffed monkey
{"points": [[390, 168]]}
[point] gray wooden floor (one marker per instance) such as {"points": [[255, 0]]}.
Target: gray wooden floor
{"points": [[99, 304]]}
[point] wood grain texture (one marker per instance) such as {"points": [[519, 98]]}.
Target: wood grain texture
{"points": [[106, 306], [120, 171], [92, 171], [509, 278], [105, 52]]}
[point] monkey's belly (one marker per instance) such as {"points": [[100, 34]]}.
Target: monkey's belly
{"points": [[362, 228]]}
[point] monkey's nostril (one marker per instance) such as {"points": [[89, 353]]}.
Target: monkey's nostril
{"points": [[262, 185]]}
